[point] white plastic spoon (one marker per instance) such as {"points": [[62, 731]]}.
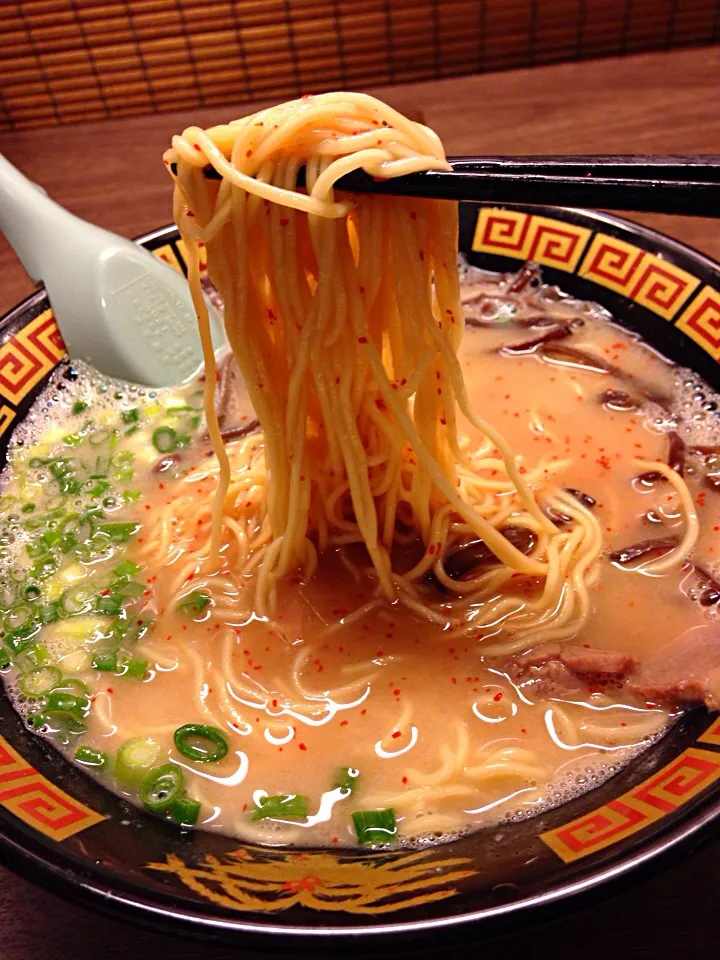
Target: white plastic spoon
{"points": [[117, 306]]}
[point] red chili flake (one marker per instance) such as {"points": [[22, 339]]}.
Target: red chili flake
{"points": [[362, 339], [110, 690], [396, 692], [301, 746], [422, 256], [497, 697], [454, 679], [362, 289], [395, 734], [334, 839], [431, 548], [196, 146], [363, 712], [343, 723], [284, 222], [249, 153], [523, 730], [404, 779]]}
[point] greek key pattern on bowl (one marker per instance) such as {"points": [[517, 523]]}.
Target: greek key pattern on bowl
{"points": [[672, 787], [645, 278], [25, 359], [37, 802]]}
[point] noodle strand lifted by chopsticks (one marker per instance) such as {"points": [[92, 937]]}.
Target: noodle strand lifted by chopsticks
{"points": [[345, 318]]}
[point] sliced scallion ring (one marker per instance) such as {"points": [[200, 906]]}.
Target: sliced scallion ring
{"points": [[39, 682], [136, 758], [201, 742], [164, 439], [162, 787]]}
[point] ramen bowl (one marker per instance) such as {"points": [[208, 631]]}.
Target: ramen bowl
{"points": [[61, 828]]}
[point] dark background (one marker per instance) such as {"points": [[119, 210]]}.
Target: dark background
{"points": [[673, 914]]}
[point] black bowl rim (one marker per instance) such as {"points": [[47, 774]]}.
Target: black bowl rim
{"points": [[50, 873]]}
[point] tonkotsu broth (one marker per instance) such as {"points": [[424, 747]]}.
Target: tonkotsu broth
{"points": [[437, 731]]}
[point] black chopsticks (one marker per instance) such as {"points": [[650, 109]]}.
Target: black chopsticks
{"points": [[687, 185]]}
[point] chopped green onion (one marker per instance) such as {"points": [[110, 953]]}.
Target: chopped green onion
{"points": [[39, 682], [5, 659], [79, 407], [375, 826], [48, 612], [130, 496], [106, 662], [128, 568], [119, 532], [130, 631], [73, 439], [60, 702], [132, 667], [77, 599], [108, 606], [91, 757], [194, 602], [45, 566], [51, 537], [34, 656], [201, 742], [280, 807], [164, 439], [130, 416], [62, 725], [346, 779], [98, 487], [36, 521], [98, 546], [27, 508], [162, 787], [18, 616], [21, 638], [185, 811], [126, 589], [102, 467], [98, 437], [32, 592], [135, 758]]}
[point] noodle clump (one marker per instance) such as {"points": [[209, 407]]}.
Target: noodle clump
{"points": [[343, 313]]}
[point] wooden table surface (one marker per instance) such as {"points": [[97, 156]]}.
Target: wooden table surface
{"points": [[110, 173]]}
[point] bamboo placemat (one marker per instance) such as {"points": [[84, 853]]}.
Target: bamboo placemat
{"points": [[66, 61]]}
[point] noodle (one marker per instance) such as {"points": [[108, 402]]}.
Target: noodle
{"points": [[366, 440], [361, 607]]}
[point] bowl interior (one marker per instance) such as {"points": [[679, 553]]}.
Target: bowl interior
{"points": [[62, 828]]}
